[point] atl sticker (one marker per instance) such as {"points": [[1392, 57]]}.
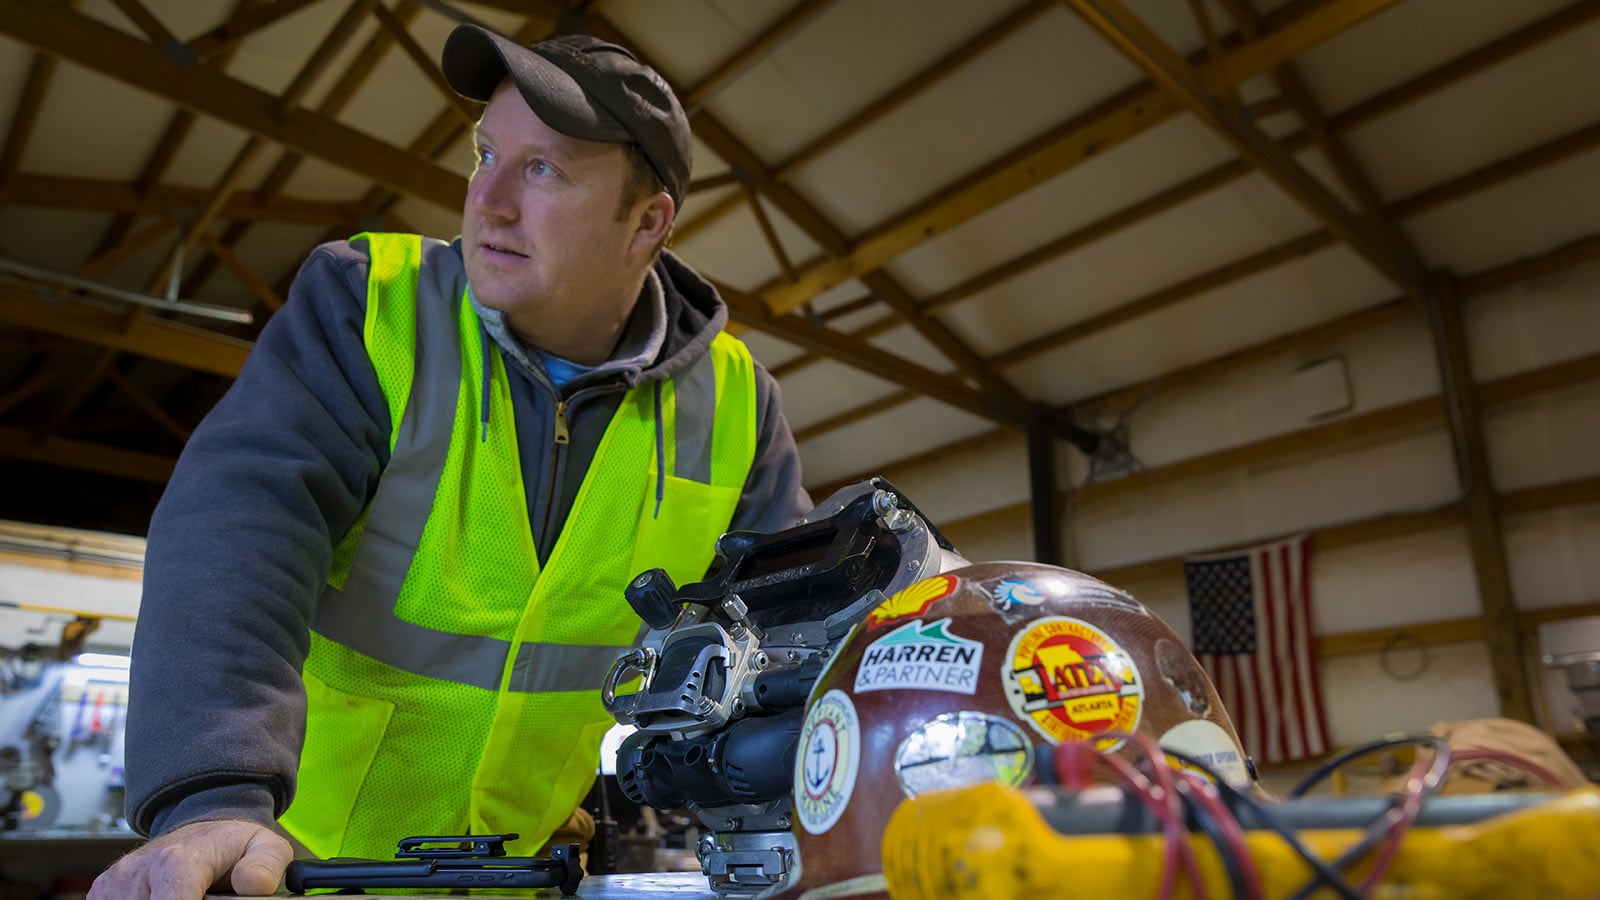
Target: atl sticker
{"points": [[1072, 681], [921, 657], [912, 601], [830, 757]]}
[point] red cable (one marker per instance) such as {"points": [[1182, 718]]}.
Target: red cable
{"points": [[1176, 851], [1075, 763], [1069, 758], [1207, 795], [1167, 781], [1417, 787]]}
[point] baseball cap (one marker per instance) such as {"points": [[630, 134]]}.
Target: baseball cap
{"points": [[583, 87]]}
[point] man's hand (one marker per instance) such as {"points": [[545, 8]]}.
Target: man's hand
{"points": [[185, 863]]}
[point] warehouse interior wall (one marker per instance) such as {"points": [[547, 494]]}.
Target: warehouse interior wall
{"points": [[1537, 439]]}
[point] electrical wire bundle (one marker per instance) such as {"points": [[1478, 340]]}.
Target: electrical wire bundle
{"points": [[1263, 847]]}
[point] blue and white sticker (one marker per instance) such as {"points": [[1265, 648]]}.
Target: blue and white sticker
{"points": [[1011, 593], [830, 757], [922, 658]]}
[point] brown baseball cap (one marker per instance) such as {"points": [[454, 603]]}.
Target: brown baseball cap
{"points": [[584, 88]]}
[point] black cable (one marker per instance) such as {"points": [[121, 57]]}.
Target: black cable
{"points": [[1338, 760], [1213, 829], [1236, 799], [1381, 825]]}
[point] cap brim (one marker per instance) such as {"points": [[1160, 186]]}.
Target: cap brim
{"points": [[476, 60]]}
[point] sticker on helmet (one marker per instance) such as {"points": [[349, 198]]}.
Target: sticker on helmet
{"points": [[1015, 599], [1208, 744], [921, 657], [1072, 681], [956, 749], [1183, 675], [912, 601], [830, 756]]}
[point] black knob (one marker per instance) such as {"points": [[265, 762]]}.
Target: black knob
{"points": [[653, 596]]}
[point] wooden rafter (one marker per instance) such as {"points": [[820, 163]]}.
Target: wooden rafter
{"points": [[712, 182], [1433, 80], [322, 57], [425, 64], [195, 348], [148, 236], [1521, 502], [247, 276], [189, 235], [29, 386], [104, 49], [770, 233], [242, 24], [1485, 537], [874, 111], [1148, 50], [1424, 200], [221, 193], [1088, 135], [152, 409], [857, 414], [88, 380], [1294, 90], [40, 72], [172, 138], [1101, 228], [1523, 39], [177, 131], [146, 21], [832, 240], [125, 198], [334, 102], [751, 311], [435, 139], [1574, 253], [759, 48], [1392, 310], [1442, 300], [1424, 412]]}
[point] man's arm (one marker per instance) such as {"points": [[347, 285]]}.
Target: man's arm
{"points": [[239, 549], [774, 497]]}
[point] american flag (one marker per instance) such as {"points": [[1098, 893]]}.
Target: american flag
{"points": [[1251, 611]]}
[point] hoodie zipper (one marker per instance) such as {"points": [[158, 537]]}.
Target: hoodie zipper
{"points": [[561, 438], [562, 435]]}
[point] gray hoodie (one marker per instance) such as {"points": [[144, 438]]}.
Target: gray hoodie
{"points": [[241, 543]]}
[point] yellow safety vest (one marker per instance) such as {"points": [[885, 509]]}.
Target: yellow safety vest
{"points": [[452, 685]]}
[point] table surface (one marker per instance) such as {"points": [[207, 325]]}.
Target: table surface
{"points": [[677, 885]]}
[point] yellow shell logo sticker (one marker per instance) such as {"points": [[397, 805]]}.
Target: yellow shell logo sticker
{"points": [[1072, 682], [913, 600]]}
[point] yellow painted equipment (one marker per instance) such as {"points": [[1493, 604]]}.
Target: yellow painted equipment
{"points": [[991, 842]]}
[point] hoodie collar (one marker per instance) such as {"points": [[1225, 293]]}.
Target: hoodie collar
{"points": [[643, 337]]}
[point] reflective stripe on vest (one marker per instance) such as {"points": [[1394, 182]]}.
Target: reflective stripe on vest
{"points": [[361, 614], [460, 678]]}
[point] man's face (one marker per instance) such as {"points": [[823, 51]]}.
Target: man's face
{"points": [[540, 233]]}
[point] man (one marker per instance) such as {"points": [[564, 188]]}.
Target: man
{"points": [[427, 489]]}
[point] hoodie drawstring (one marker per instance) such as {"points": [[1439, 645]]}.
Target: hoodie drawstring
{"points": [[488, 378], [661, 454]]}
